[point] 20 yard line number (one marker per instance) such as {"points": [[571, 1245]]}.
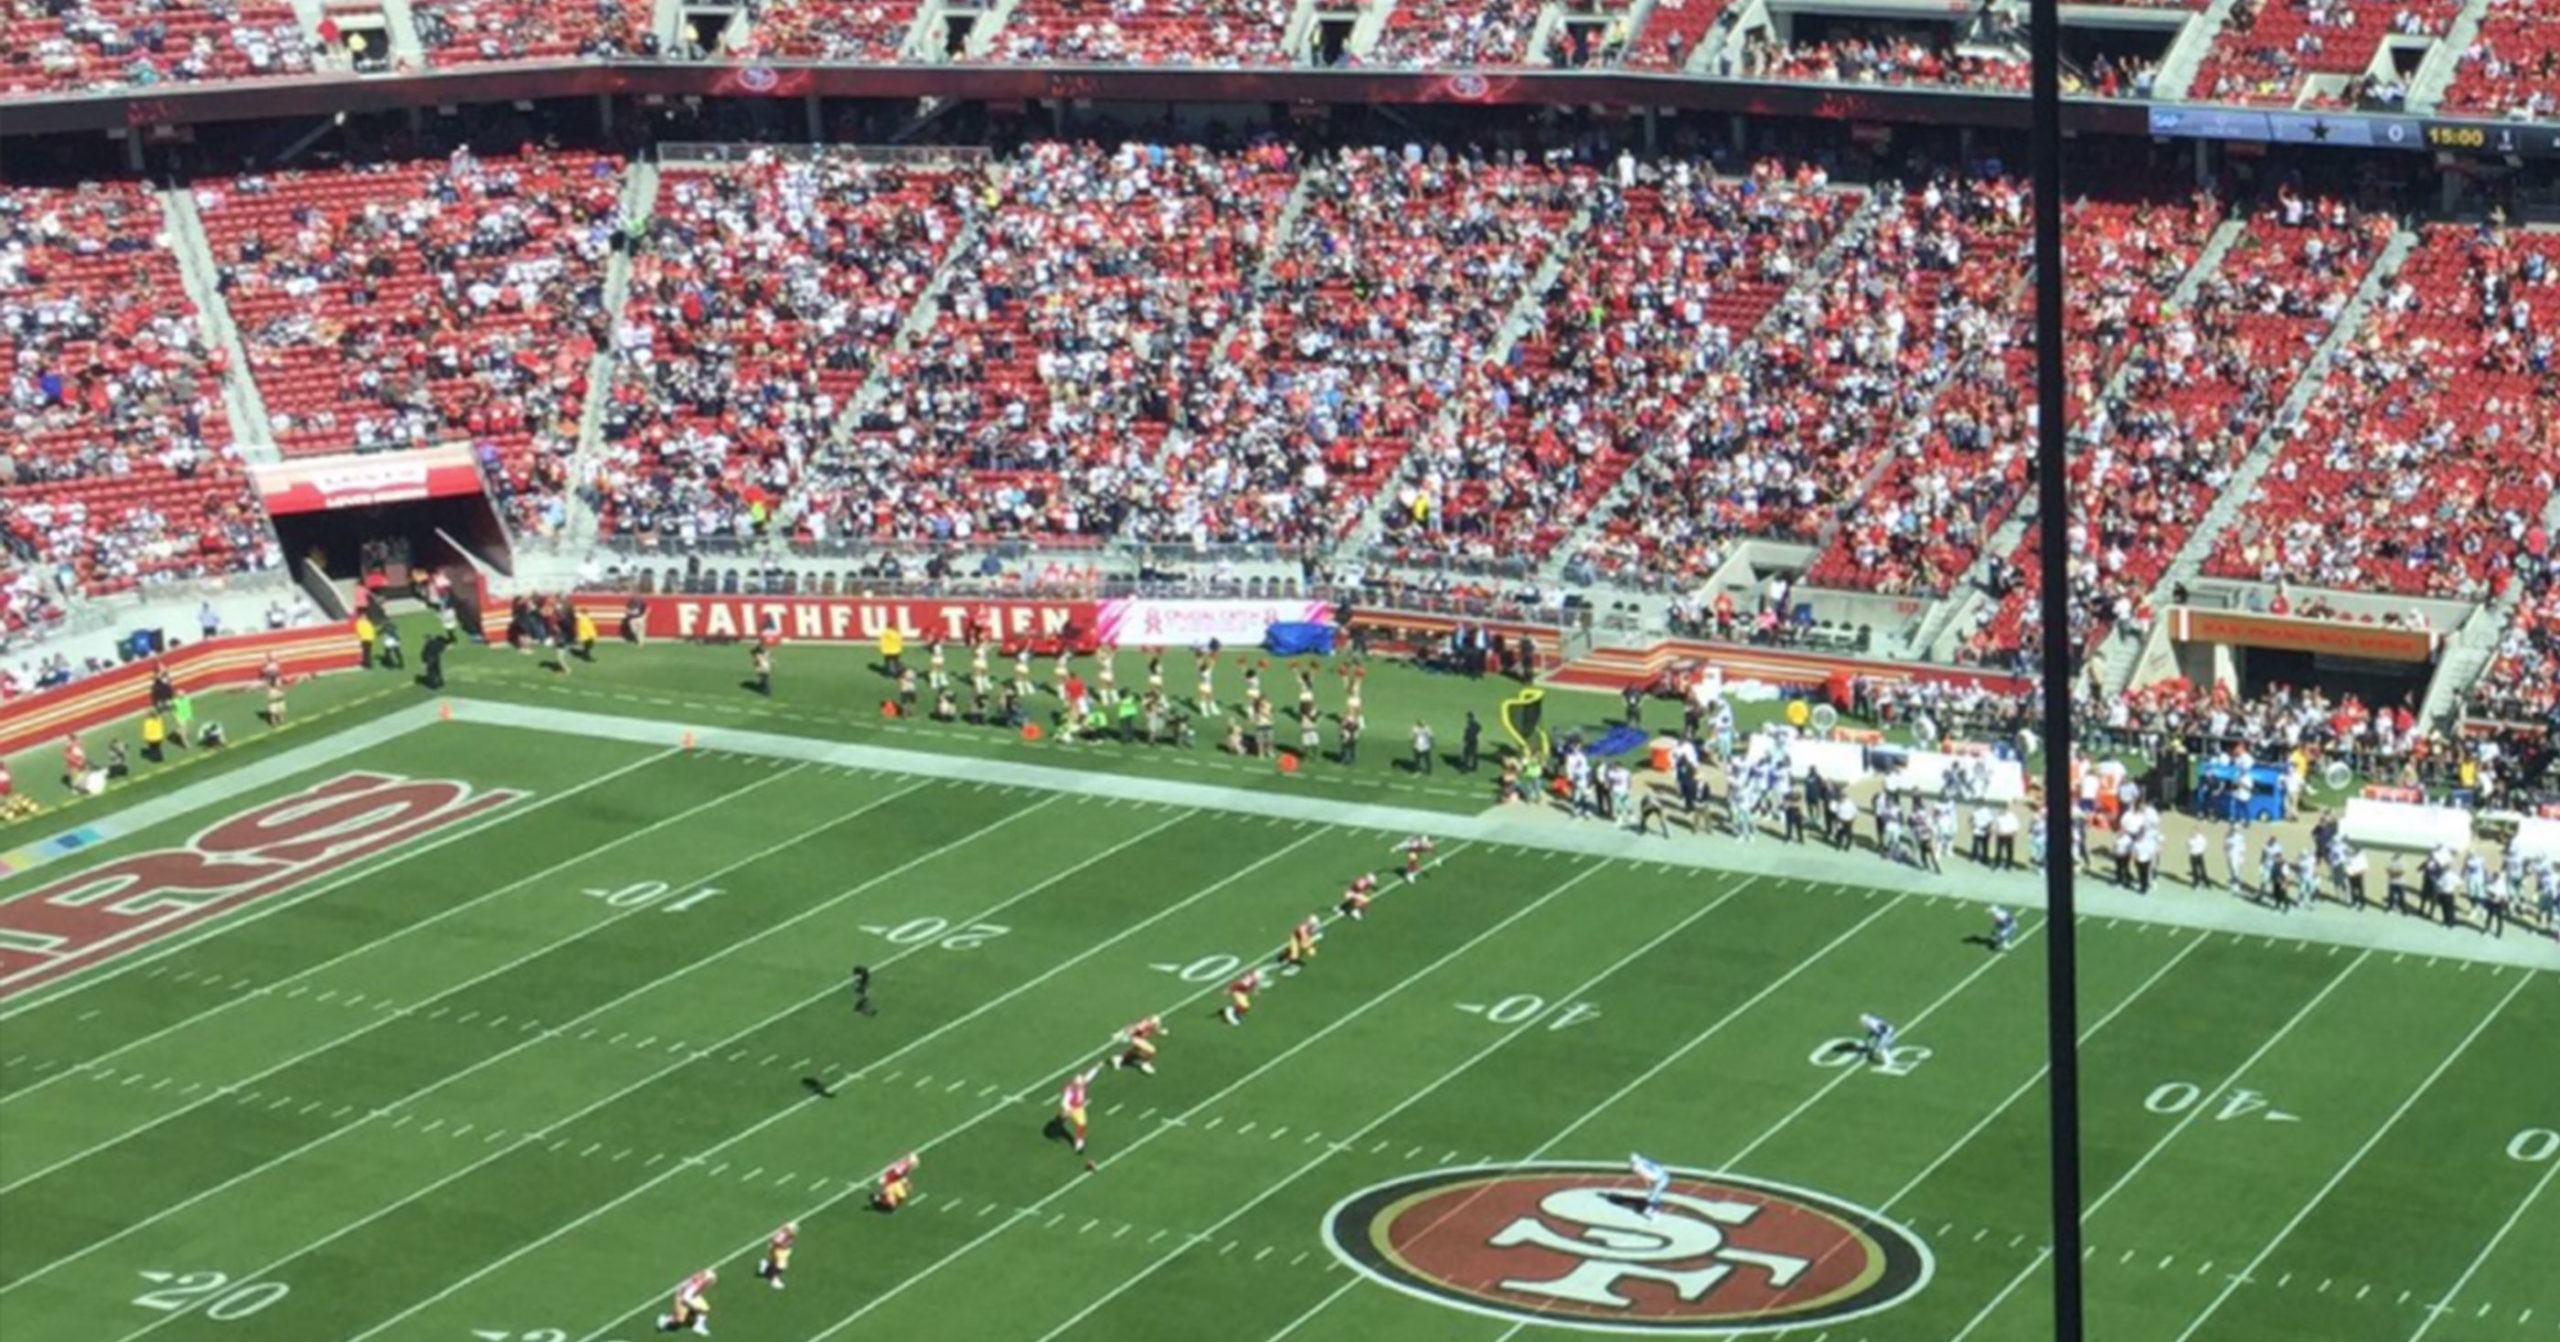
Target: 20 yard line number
{"points": [[212, 1292], [2534, 1146], [939, 932]]}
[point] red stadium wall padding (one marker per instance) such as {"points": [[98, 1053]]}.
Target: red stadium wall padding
{"points": [[34, 719]]}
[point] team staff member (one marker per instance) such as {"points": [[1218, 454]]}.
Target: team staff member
{"points": [[893, 650]]}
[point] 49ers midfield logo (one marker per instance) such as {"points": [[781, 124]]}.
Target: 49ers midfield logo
{"points": [[1570, 1246], [115, 907]]}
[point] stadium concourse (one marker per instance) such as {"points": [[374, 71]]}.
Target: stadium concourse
{"points": [[2477, 56]]}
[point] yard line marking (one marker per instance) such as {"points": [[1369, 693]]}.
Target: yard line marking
{"points": [[2340, 1175], [110, 969], [716, 956], [376, 1024], [2091, 1210], [1173, 1122], [509, 888], [1053, 971], [1488, 1050], [2029, 1085], [1848, 1074]]}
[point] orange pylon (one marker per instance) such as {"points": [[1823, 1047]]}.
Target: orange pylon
{"points": [[444, 711], [688, 740]]}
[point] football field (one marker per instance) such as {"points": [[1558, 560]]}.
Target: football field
{"points": [[501, 1027]]}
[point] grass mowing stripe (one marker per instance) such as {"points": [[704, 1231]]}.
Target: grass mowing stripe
{"points": [[1499, 1042], [387, 938], [1848, 1074], [548, 1129], [760, 1125], [1666, 1063], [1446, 959], [2439, 1309], [1016, 1097], [2339, 1175], [117, 966], [2013, 1097], [2091, 1209], [451, 1077], [231, 1088]]}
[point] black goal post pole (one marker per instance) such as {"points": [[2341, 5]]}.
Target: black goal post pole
{"points": [[2053, 502]]}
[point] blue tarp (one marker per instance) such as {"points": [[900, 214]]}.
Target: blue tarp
{"points": [[1291, 640], [1618, 741]]}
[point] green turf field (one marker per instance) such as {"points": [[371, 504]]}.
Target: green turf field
{"points": [[518, 1075]]}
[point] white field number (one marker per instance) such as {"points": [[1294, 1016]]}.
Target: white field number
{"points": [[2534, 1146], [1523, 1008], [641, 894], [940, 932], [1847, 1052], [2177, 1097], [220, 1299], [529, 1335], [1206, 969]]}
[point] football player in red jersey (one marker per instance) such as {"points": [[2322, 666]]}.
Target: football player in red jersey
{"points": [[897, 1183], [1240, 997], [692, 1308], [1415, 850], [777, 1254], [1141, 1052], [1356, 896], [1071, 1105], [1301, 949]]}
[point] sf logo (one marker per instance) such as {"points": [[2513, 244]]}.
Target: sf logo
{"points": [[1684, 1247]]}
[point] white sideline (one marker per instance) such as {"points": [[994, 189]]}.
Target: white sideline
{"points": [[1518, 827], [2091, 1210], [2437, 1311], [2339, 1176], [450, 1077], [857, 1074], [369, 1026], [141, 954], [698, 1054], [387, 938]]}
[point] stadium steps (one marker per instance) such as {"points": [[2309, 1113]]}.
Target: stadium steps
{"points": [[2475, 645], [2122, 654], [1527, 314], [251, 432], [639, 201], [920, 319], [2186, 55], [1622, 491], [2444, 60], [1367, 29], [982, 38], [1948, 612], [1275, 240]]}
